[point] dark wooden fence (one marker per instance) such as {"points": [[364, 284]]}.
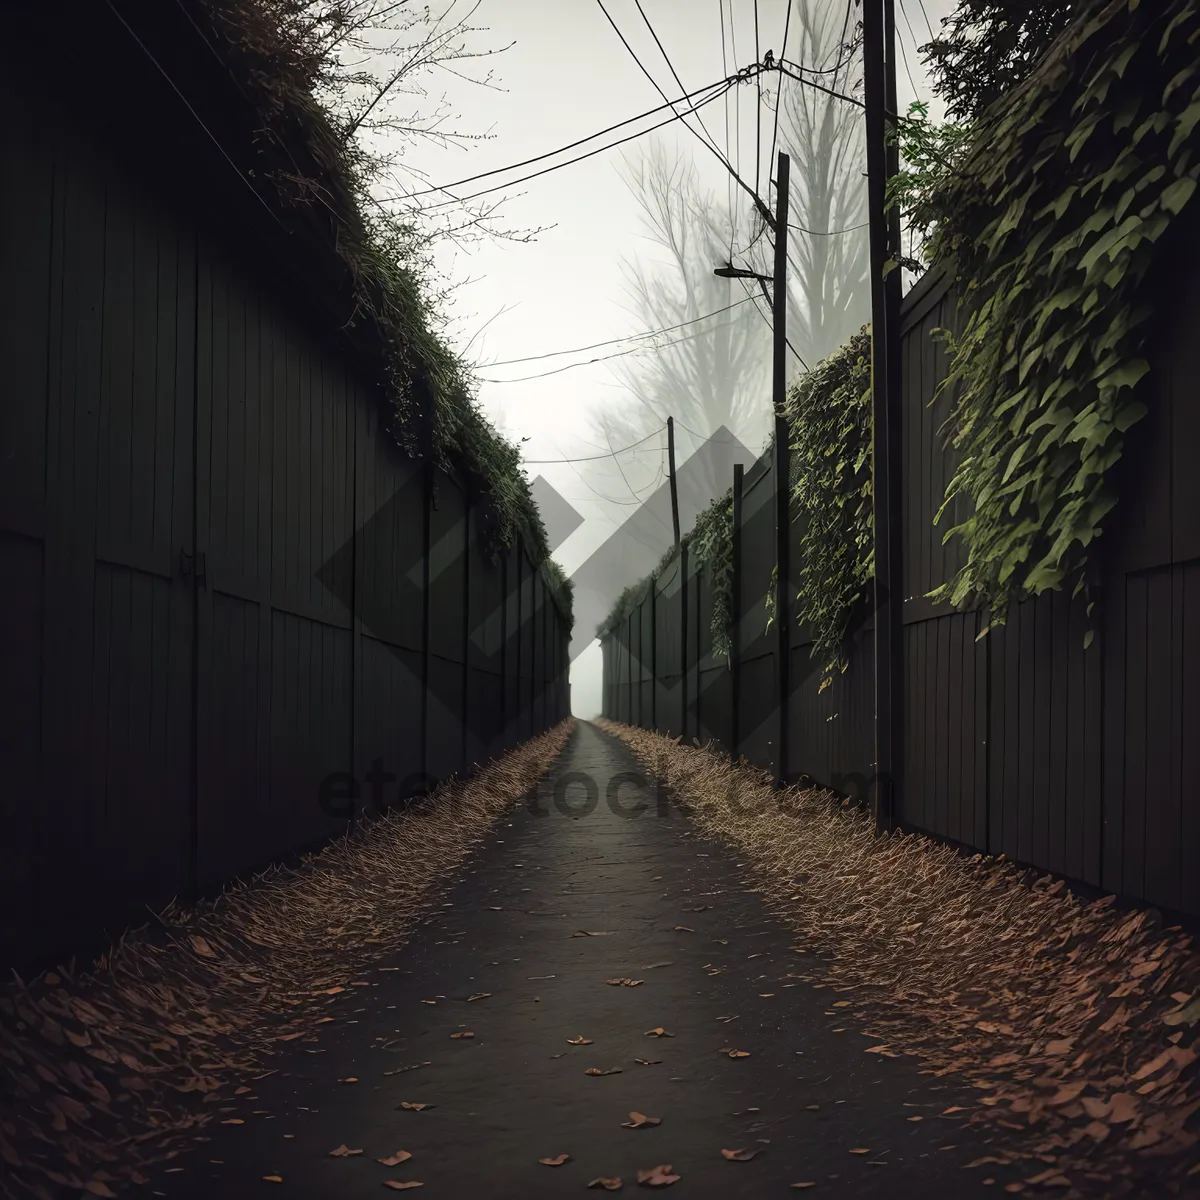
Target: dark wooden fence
{"points": [[228, 597], [1079, 761]]}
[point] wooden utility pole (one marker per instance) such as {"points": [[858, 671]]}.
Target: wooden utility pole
{"points": [[783, 591], [735, 616], [671, 468], [879, 63]]}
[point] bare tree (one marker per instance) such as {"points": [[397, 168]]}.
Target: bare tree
{"points": [[374, 66], [828, 244], [710, 369], [717, 372]]}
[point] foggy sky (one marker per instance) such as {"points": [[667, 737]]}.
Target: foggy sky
{"points": [[567, 76]]}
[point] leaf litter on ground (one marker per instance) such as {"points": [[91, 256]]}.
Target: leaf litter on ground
{"points": [[195, 1004], [996, 975]]}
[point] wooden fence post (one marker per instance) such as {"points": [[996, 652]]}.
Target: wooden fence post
{"points": [[735, 614]]}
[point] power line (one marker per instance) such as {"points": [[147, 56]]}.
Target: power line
{"points": [[842, 42], [605, 357], [750, 295], [581, 141], [507, 362], [904, 53], [707, 144], [541, 462], [819, 87], [199, 121], [787, 21], [728, 181], [932, 36], [737, 96], [722, 89], [670, 66], [758, 110]]}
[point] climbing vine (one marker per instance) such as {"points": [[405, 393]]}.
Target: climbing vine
{"points": [[1049, 226], [710, 545], [1047, 213], [828, 413]]}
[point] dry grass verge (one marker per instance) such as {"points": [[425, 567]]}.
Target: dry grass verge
{"points": [[112, 1070], [1077, 1020]]}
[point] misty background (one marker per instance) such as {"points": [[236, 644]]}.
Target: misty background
{"points": [[586, 257]]}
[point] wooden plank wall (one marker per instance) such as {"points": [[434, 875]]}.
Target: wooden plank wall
{"points": [[1076, 757], [229, 596]]}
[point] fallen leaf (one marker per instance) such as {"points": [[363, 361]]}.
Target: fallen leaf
{"points": [[463, 1033], [579, 1041], [610, 1183], [201, 947], [807, 1184], [1188, 1015], [234, 1121], [953, 1109], [914, 1118], [349, 1079], [392, 1160], [343, 1151], [1155, 1064], [683, 929], [478, 996], [554, 1162], [597, 1071], [401, 1185], [411, 1107], [738, 1155], [658, 1031], [637, 1120], [648, 1062], [739, 1053], [272, 1179], [657, 1176], [1060, 1046], [859, 1150], [495, 908], [1124, 1108]]}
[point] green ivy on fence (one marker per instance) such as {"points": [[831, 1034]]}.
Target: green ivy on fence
{"points": [[1049, 247], [828, 414], [284, 57], [1050, 227]]}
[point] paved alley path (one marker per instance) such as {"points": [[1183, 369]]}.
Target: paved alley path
{"points": [[805, 1097]]}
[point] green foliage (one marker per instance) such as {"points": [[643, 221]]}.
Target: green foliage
{"points": [[1050, 227], [828, 413], [929, 152], [829, 419], [985, 48], [283, 52], [710, 547]]}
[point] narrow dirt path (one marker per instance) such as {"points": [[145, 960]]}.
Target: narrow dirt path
{"points": [[658, 904]]}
